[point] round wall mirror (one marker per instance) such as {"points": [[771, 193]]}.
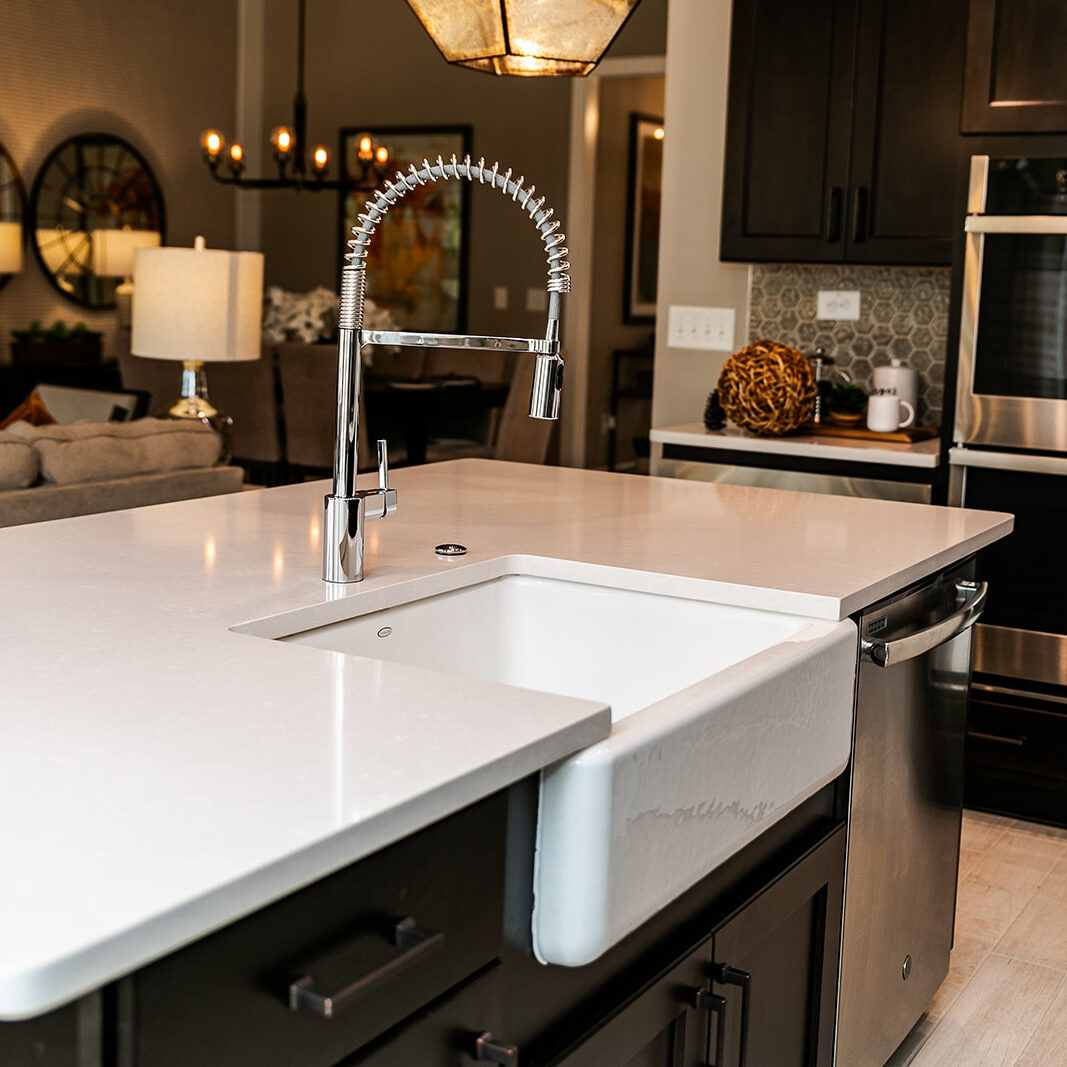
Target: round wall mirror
{"points": [[12, 214], [95, 199]]}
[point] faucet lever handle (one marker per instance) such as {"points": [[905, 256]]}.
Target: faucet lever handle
{"points": [[383, 463]]}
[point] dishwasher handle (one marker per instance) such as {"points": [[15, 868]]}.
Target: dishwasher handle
{"points": [[886, 653]]}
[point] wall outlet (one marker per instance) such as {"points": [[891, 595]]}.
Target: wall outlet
{"points": [[838, 304], [500, 297], [711, 329], [536, 300]]}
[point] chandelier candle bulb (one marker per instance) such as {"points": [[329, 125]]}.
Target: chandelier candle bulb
{"points": [[282, 140], [211, 141]]}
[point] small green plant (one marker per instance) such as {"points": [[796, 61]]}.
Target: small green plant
{"points": [[847, 399], [58, 331]]}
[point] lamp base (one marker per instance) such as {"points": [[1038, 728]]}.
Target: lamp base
{"points": [[124, 303], [194, 404]]}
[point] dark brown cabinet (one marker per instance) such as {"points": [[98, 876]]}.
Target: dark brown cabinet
{"points": [[665, 1025], [761, 990], [228, 998], [842, 141], [1016, 79], [775, 966], [66, 1037], [740, 970]]}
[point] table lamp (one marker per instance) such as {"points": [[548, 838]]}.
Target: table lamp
{"points": [[10, 247], [113, 258], [199, 306]]}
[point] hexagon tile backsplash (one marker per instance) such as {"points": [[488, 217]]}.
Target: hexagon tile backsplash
{"points": [[903, 315]]}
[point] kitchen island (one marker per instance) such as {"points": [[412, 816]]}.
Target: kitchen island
{"points": [[166, 774]]}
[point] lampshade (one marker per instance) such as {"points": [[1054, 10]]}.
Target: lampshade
{"points": [[197, 304], [63, 251], [113, 250], [524, 37], [10, 247]]}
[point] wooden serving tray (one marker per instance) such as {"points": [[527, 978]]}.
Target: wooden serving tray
{"points": [[908, 436]]}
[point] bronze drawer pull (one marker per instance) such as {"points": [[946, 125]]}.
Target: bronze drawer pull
{"points": [[414, 941]]}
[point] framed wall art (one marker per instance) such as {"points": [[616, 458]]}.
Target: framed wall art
{"points": [[417, 261], [643, 218]]}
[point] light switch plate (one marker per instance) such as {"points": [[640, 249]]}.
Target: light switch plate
{"points": [[842, 304], [500, 297], [536, 300], [710, 329]]}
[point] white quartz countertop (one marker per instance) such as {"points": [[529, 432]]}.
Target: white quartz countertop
{"points": [[162, 775], [810, 446]]}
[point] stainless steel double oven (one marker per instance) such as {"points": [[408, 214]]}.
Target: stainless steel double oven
{"points": [[1010, 454]]}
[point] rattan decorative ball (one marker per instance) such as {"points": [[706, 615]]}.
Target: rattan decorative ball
{"points": [[768, 388]]}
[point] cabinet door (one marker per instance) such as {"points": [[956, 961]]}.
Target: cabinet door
{"points": [[775, 963], [660, 1027], [787, 130], [1016, 79], [906, 148]]}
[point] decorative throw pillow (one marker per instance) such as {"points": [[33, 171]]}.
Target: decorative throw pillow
{"points": [[97, 451], [31, 410], [18, 463]]}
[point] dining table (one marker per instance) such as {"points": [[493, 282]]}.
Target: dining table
{"points": [[416, 407]]}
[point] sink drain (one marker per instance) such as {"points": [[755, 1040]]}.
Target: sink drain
{"points": [[451, 550]]}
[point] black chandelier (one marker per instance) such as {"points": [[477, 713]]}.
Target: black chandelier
{"points": [[289, 145]]}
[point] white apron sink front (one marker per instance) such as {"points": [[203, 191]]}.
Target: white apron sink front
{"points": [[724, 719]]}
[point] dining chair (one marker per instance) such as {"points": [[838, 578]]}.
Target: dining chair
{"points": [[518, 437], [308, 376]]}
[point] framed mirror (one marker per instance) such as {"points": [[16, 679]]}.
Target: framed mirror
{"points": [[94, 200], [12, 214]]}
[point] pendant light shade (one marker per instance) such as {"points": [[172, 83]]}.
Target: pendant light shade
{"points": [[529, 38]]}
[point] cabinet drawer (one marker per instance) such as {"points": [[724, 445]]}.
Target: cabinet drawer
{"points": [[1016, 758], [226, 999], [445, 1034]]}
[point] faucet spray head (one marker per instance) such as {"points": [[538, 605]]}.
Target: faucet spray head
{"points": [[547, 383]]}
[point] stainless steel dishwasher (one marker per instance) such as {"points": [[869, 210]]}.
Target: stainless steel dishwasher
{"points": [[905, 799]]}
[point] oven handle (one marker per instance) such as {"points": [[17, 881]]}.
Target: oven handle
{"points": [[1018, 224], [888, 653], [1007, 461]]}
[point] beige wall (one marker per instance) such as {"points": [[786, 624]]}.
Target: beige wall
{"points": [[618, 98], [155, 74], [698, 47]]}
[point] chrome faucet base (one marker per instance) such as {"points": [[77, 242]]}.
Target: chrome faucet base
{"points": [[345, 520]]}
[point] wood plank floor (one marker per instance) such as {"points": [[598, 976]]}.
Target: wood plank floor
{"points": [[1004, 1001]]}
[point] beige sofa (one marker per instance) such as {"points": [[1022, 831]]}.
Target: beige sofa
{"points": [[56, 471]]}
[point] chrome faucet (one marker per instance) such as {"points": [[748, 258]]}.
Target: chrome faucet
{"points": [[349, 508]]}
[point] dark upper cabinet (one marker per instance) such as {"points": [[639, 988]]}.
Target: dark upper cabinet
{"points": [[842, 139], [1016, 78], [787, 130]]}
